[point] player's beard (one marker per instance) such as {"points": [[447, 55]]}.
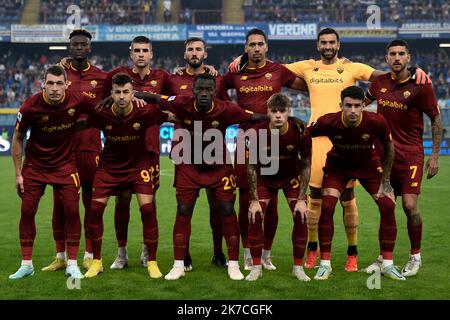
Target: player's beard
{"points": [[328, 56], [198, 63]]}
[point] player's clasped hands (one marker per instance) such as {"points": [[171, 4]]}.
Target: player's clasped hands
{"points": [[253, 210], [385, 190]]}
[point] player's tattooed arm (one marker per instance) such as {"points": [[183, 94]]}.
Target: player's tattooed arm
{"points": [[255, 206], [432, 165], [387, 161], [251, 176], [305, 174], [17, 147]]}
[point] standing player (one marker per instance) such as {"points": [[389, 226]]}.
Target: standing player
{"points": [[291, 178], [124, 164], [402, 103], [254, 85], [199, 114], [88, 79], [353, 133], [50, 115], [181, 83], [144, 78]]}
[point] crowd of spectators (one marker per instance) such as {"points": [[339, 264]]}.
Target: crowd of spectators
{"points": [[100, 11], [10, 11], [345, 11]]}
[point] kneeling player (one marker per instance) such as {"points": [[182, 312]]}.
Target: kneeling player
{"points": [[353, 133], [123, 165], [289, 177]]}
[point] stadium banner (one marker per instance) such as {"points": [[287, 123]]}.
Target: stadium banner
{"points": [[359, 32], [50, 33], [423, 30], [292, 31], [5, 33], [156, 32], [223, 33]]}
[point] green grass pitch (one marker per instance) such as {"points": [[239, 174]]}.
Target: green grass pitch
{"points": [[209, 282]]}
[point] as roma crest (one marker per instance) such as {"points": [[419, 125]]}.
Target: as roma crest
{"points": [[340, 69], [290, 147], [406, 94], [136, 126], [215, 124], [365, 137], [268, 76], [154, 83], [71, 112], [93, 83]]}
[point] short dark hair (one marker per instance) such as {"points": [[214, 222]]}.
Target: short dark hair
{"points": [[328, 31], [398, 42], [121, 79], [80, 32], [56, 71], [279, 101], [204, 76], [255, 31], [140, 39], [193, 39], [353, 92]]}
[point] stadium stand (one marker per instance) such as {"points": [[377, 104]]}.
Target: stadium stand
{"points": [[11, 11]]}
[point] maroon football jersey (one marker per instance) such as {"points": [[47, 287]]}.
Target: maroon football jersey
{"points": [[291, 144], [254, 86], [182, 85], [125, 148], [90, 81], [51, 128], [153, 82], [352, 147], [222, 115], [403, 105]]}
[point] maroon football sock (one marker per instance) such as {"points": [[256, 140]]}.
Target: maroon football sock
{"points": [[181, 234], [150, 229], [326, 226]]}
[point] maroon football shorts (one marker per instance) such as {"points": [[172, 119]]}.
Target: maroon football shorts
{"points": [[65, 180], [154, 169], [406, 177], [268, 188], [108, 182], [87, 162], [338, 177], [190, 179]]}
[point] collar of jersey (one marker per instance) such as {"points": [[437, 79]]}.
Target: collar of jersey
{"points": [[51, 103], [281, 132], [357, 124], [131, 109], [195, 107], [87, 68], [403, 81], [148, 72], [192, 74], [265, 62]]}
